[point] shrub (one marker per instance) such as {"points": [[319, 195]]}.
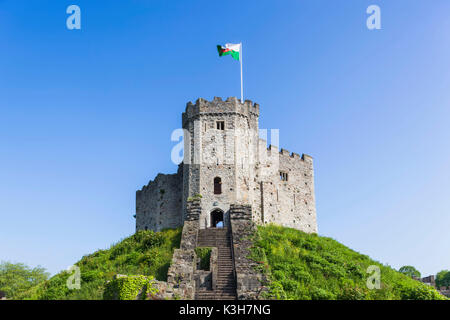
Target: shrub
{"points": [[205, 257], [128, 288], [145, 253]]}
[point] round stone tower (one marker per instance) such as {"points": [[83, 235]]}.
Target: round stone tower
{"points": [[221, 145]]}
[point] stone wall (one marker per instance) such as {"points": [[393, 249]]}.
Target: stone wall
{"points": [[183, 266], [445, 291], [212, 153], [249, 173], [158, 204], [289, 202], [250, 282]]}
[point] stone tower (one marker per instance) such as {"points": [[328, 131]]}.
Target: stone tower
{"points": [[223, 140], [226, 163]]}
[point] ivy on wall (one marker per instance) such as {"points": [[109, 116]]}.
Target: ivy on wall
{"points": [[129, 288]]}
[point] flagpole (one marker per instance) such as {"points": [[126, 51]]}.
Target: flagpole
{"points": [[242, 86]]}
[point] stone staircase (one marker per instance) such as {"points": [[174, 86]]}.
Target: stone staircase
{"points": [[226, 282]]}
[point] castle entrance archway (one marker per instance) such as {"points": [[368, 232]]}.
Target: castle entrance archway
{"points": [[217, 218]]}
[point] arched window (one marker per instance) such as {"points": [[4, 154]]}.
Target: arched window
{"points": [[217, 185]]}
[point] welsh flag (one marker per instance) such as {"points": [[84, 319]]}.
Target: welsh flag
{"points": [[230, 48]]}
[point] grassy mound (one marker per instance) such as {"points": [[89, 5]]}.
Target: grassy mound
{"points": [[144, 253], [299, 266], [307, 266]]}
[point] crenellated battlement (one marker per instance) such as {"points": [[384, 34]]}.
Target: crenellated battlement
{"points": [[231, 105], [283, 153], [286, 153]]}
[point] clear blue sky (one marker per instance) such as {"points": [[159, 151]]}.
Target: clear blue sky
{"points": [[86, 116]]}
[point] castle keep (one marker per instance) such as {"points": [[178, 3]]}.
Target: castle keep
{"points": [[227, 182], [226, 162]]}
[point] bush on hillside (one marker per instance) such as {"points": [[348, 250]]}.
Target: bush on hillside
{"points": [[145, 253], [307, 266]]}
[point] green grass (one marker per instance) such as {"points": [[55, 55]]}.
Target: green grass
{"points": [[299, 266], [144, 253], [204, 254], [307, 266]]}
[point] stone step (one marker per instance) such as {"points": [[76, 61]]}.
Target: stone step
{"points": [[215, 293], [225, 282], [216, 298], [212, 243], [214, 236]]}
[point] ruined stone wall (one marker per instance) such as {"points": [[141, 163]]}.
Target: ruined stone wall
{"points": [[158, 204]]}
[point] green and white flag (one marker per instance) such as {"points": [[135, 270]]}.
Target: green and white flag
{"points": [[235, 50], [230, 49]]}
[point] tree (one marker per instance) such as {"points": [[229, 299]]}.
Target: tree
{"points": [[443, 278], [18, 277], [409, 271]]}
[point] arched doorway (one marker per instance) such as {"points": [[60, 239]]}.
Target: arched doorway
{"points": [[217, 218]]}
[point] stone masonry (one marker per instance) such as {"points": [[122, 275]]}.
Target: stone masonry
{"points": [[228, 182], [226, 162]]}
